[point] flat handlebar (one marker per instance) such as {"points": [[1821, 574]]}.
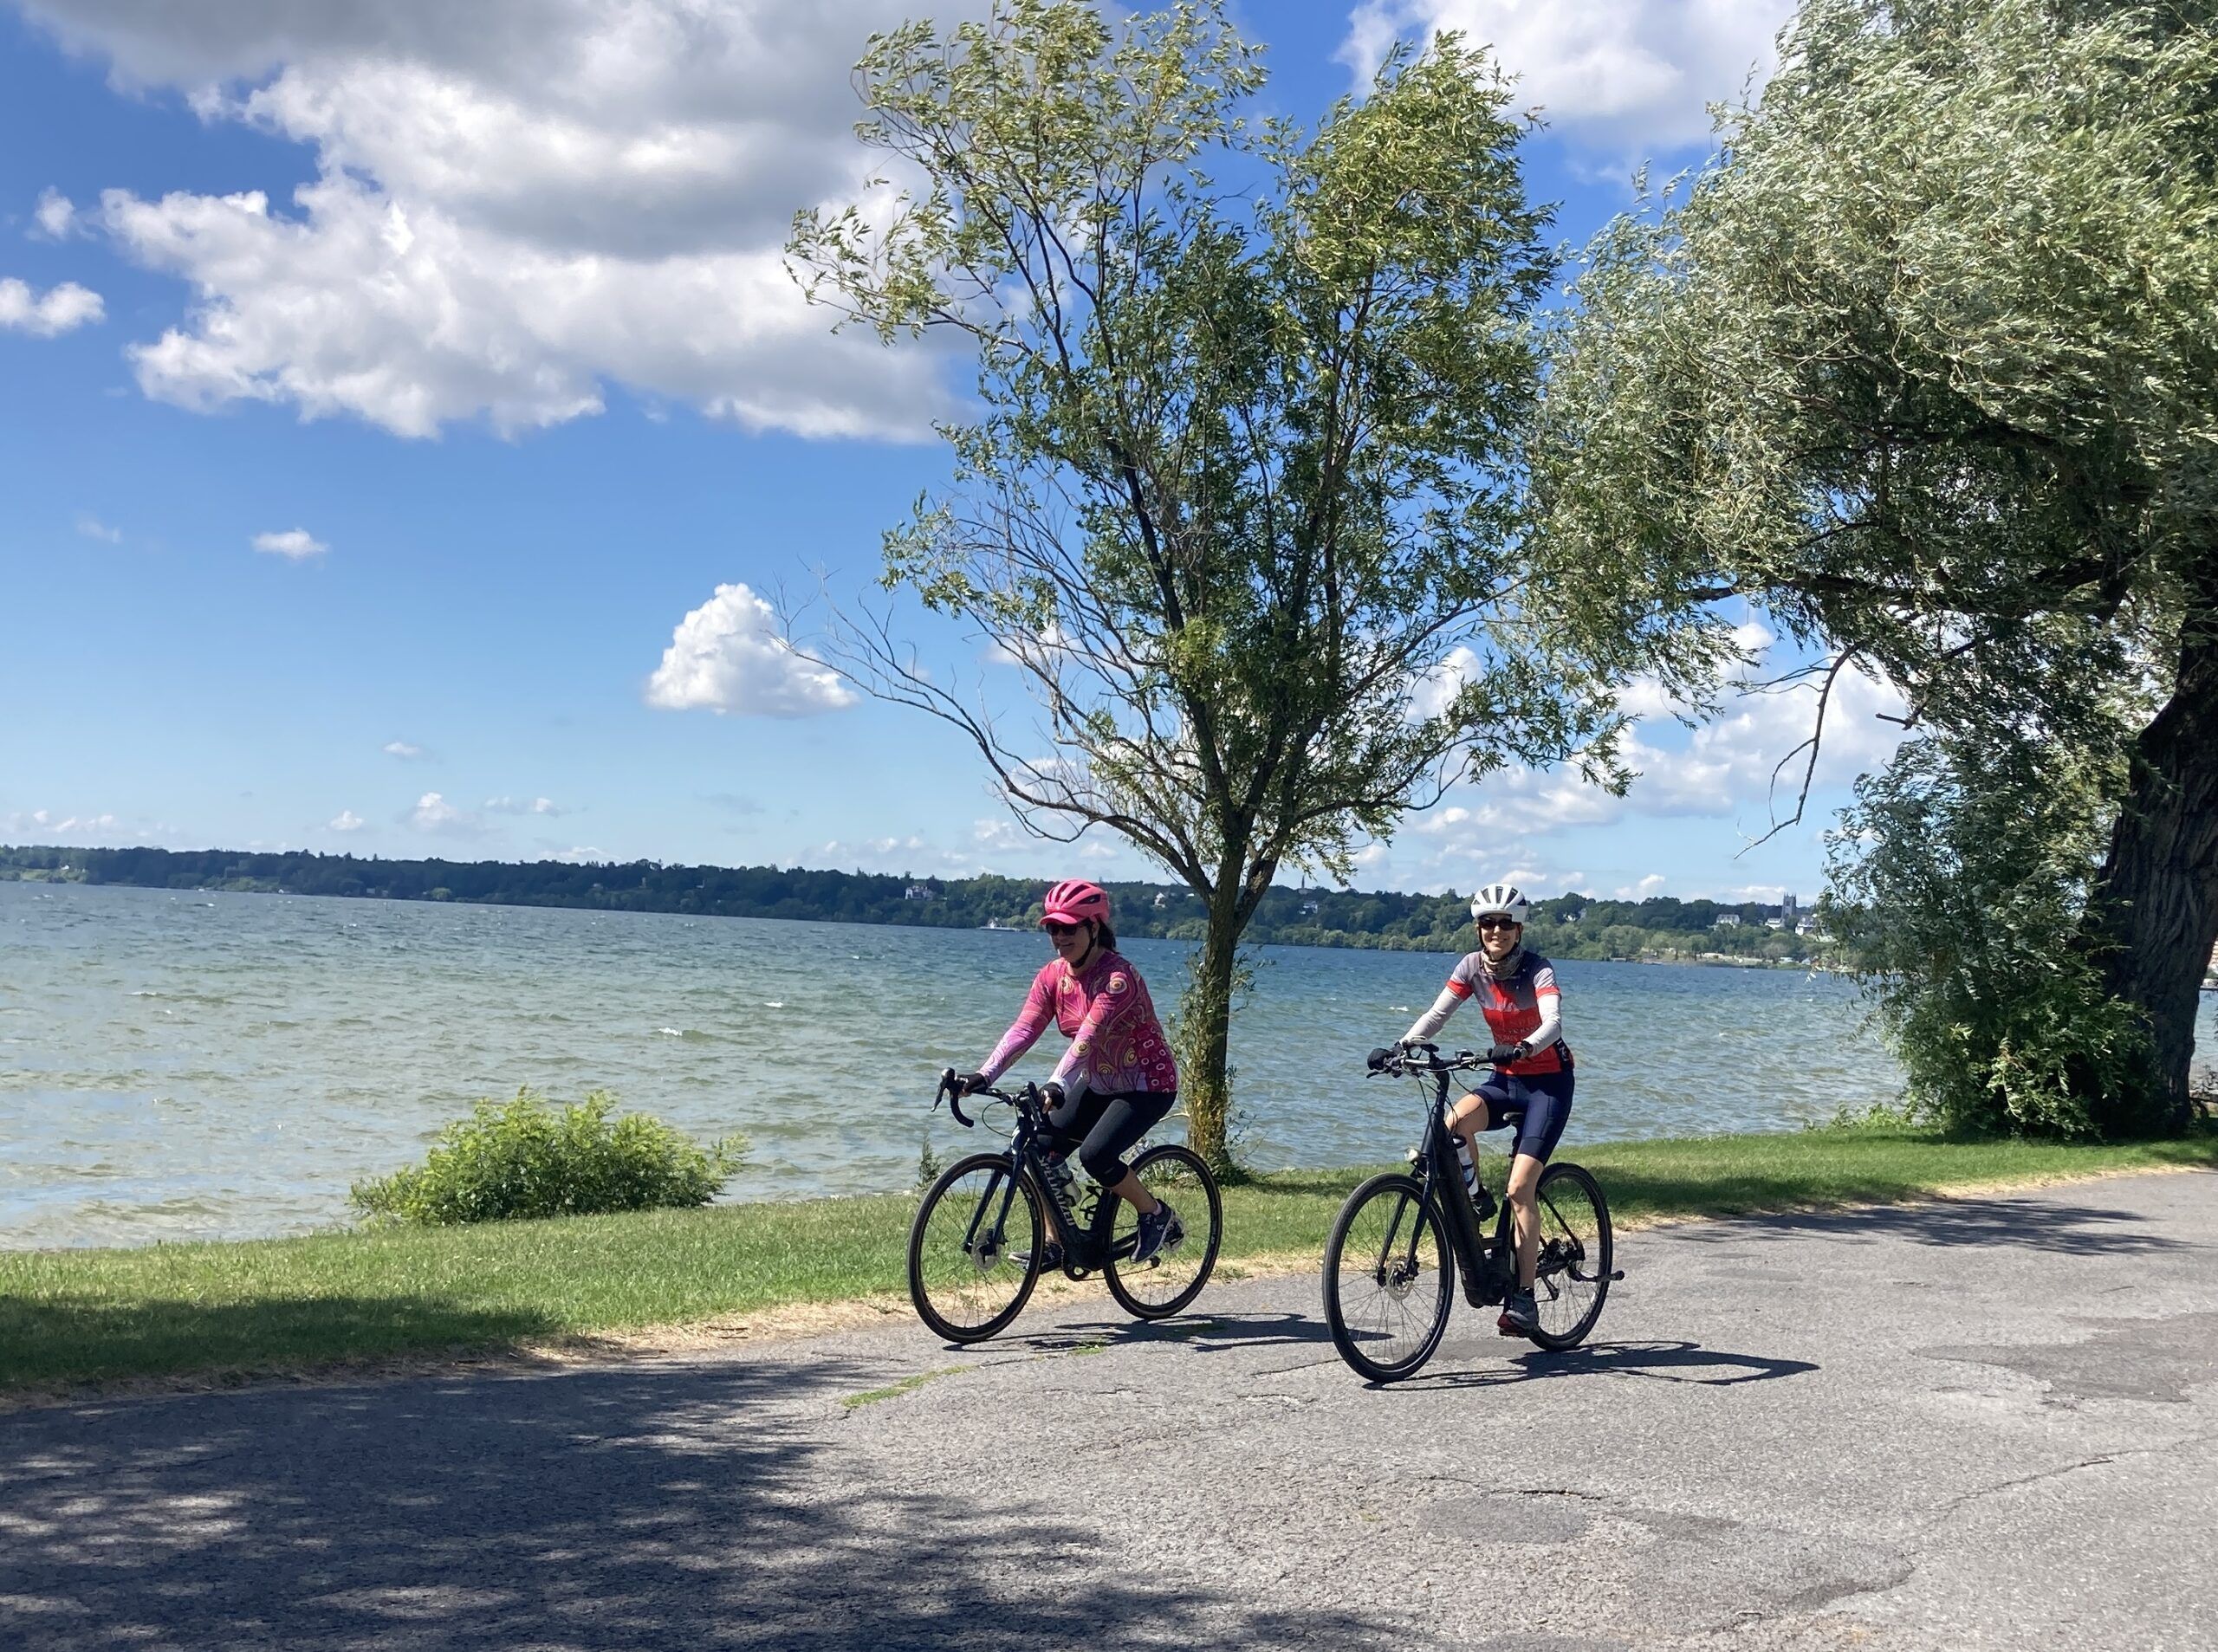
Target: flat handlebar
{"points": [[1400, 1058]]}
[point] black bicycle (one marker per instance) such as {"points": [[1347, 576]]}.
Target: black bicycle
{"points": [[1392, 1258], [978, 1243]]}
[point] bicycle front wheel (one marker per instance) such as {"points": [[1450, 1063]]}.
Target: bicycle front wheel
{"points": [[1388, 1276], [974, 1249], [1173, 1277], [1572, 1277]]}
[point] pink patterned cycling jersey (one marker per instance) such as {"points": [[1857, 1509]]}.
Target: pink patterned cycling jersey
{"points": [[1116, 1044]]}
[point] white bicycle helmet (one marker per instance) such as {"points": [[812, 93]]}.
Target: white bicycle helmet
{"points": [[1506, 899]]}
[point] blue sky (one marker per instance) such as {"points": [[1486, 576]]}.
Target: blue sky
{"points": [[361, 513]]}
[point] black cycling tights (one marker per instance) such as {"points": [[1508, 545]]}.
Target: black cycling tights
{"points": [[1105, 1124]]}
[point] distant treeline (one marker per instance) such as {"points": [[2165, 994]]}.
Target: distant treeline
{"points": [[1568, 926]]}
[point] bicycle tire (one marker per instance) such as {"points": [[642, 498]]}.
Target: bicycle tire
{"points": [[1427, 1229], [1586, 1257], [1130, 1292], [933, 1309]]}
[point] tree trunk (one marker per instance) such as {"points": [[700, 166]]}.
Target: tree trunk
{"points": [[1204, 1022], [2154, 916]]}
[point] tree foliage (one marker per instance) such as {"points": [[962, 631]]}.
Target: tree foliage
{"points": [[1923, 361], [1241, 495]]}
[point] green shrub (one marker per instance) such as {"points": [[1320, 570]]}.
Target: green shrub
{"points": [[524, 1159], [1958, 882]]}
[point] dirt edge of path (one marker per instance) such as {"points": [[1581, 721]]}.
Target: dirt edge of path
{"points": [[795, 1321]]}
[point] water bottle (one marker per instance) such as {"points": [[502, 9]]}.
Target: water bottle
{"points": [[1481, 1200], [1061, 1182]]}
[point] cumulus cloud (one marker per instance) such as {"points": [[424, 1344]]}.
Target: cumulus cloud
{"points": [[401, 749], [55, 216], [434, 813], [1627, 76], [1432, 692], [346, 820], [294, 544], [522, 805], [46, 820], [726, 656], [93, 527], [516, 203], [47, 315]]}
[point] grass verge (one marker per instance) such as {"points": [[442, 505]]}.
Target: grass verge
{"points": [[342, 1299]]}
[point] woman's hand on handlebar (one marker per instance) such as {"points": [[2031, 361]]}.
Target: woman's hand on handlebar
{"points": [[970, 1084]]}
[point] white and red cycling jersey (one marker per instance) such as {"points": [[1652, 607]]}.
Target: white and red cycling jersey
{"points": [[1521, 1002], [1117, 1043]]}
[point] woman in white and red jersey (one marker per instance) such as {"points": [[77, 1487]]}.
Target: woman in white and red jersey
{"points": [[1530, 1086], [1117, 1080]]}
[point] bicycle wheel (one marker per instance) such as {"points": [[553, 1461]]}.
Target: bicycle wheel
{"points": [[1573, 1278], [963, 1275], [1173, 1277], [1388, 1274]]}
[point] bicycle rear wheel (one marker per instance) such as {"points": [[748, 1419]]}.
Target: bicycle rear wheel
{"points": [[1573, 1278], [1388, 1276], [1173, 1277], [964, 1276]]}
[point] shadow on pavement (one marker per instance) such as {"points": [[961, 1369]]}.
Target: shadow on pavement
{"points": [[678, 1507], [1204, 1332], [2039, 1224], [1666, 1362]]}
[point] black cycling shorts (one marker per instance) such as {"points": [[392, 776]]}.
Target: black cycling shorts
{"points": [[1104, 1124], [1539, 1104]]}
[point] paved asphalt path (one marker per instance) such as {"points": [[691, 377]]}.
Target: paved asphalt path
{"points": [[1989, 1422]]}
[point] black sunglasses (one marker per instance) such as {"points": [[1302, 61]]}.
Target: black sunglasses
{"points": [[1062, 928], [1500, 923]]}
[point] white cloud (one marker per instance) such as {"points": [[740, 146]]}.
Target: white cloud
{"points": [[346, 820], [576, 857], [726, 656], [295, 544], [434, 813], [1652, 885], [401, 749], [46, 315], [56, 215], [522, 805], [1626, 76], [515, 203], [93, 527], [1432, 692], [44, 823]]}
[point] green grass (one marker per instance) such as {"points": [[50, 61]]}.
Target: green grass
{"points": [[76, 1316]]}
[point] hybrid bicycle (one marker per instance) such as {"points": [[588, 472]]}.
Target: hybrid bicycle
{"points": [[978, 1244], [1391, 1262]]}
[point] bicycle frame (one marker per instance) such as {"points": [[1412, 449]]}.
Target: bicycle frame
{"points": [[1483, 1266], [1087, 1246]]}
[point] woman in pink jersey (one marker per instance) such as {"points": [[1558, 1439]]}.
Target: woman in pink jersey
{"points": [[1117, 1081], [1530, 1086]]}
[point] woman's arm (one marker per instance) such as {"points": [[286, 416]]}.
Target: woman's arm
{"points": [[1024, 1031], [1547, 998]]}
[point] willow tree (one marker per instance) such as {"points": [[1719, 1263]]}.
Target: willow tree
{"points": [[1240, 497], [1925, 361]]}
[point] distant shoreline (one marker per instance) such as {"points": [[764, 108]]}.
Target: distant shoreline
{"points": [[1657, 930], [1452, 947]]}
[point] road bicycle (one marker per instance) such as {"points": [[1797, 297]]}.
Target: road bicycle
{"points": [[1399, 1240], [978, 1243]]}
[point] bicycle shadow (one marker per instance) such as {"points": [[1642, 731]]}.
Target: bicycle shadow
{"points": [[1660, 1361], [1203, 1332]]}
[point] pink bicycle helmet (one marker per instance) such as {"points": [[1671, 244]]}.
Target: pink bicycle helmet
{"points": [[1073, 901]]}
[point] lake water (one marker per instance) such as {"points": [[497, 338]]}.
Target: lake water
{"points": [[188, 1065]]}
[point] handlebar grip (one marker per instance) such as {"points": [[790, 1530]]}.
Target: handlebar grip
{"points": [[955, 1107]]}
